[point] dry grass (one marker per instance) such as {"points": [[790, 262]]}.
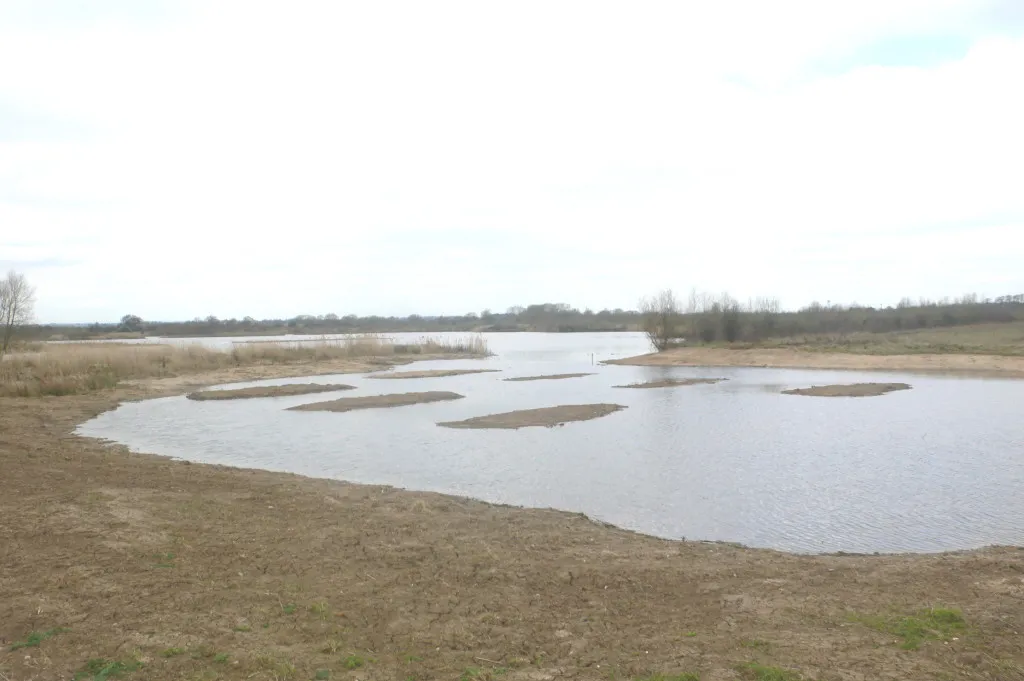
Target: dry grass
{"points": [[66, 369], [983, 339]]}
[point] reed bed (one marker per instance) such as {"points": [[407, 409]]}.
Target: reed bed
{"points": [[73, 368]]}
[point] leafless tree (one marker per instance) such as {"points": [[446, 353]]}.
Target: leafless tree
{"points": [[661, 317], [17, 300]]}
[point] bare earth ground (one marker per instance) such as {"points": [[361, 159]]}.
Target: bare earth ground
{"points": [[378, 401], [850, 390], [434, 373], [268, 391], [547, 417], [163, 570], [1008, 366], [547, 377], [673, 383]]}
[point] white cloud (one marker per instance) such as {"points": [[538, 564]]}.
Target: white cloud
{"points": [[262, 158]]}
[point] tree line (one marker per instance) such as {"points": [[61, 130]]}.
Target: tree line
{"points": [[708, 318]]}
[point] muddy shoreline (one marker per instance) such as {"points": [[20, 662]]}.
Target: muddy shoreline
{"points": [[204, 571]]}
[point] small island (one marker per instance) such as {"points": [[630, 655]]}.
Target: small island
{"points": [[547, 417], [850, 390], [287, 390], [378, 401]]}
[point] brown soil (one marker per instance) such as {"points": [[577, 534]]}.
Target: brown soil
{"points": [[673, 383], [377, 401], [432, 373], [268, 391], [548, 377], [851, 390], [145, 558], [995, 365], [547, 417]]}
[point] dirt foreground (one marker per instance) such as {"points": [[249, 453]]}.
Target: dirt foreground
{"points": [[378, 401], [127, 566], [994, 365]]}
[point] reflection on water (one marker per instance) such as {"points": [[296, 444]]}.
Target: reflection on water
{"points": [[934, 468]]}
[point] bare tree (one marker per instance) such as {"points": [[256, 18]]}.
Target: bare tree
{"points": [[17, 300], [660, 318]]}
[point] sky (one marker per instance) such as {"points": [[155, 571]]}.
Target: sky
{"points": [[182, 159]]}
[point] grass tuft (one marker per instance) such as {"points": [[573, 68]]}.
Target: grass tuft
{"points": [[760, 672], [100, 669], [37, 637], [928, 625], [172, 652], [689, 676]]}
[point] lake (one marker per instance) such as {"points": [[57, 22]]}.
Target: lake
{"points": [[935, 468]]}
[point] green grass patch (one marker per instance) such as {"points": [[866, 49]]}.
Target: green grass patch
{"points": [[172, 652], [353, 661], [691, 634], [322, 674], [289, 609], [164, 560], [756, 644], [36, 637], [242, 628], [760, 672], [220, 658], [933, 624], [100, 669]]}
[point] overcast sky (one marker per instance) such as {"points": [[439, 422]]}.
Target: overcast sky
{"points": [[177, 159]]}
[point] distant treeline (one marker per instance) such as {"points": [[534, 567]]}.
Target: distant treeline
{"points": [[702, 317], [709, 318]]}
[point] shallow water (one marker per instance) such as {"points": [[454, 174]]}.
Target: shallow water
{"points": [[935, 468]]}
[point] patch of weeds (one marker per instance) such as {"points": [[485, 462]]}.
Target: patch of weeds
{"points": [[220, 658], [242, 628], [477, 674], [928, 625], [691, 634], [100, 669], [163, 560], [289, 609], [760, 672], [413, 658], [36, 637], [756, 644], [172, 652], [322, 674], [321, 609], [279, 670], [671, 677], [353, 661]]}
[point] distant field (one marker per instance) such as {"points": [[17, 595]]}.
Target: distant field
{"points": [[984, 339]]}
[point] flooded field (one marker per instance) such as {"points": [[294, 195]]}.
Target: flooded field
{"points": [[934, 468]]}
